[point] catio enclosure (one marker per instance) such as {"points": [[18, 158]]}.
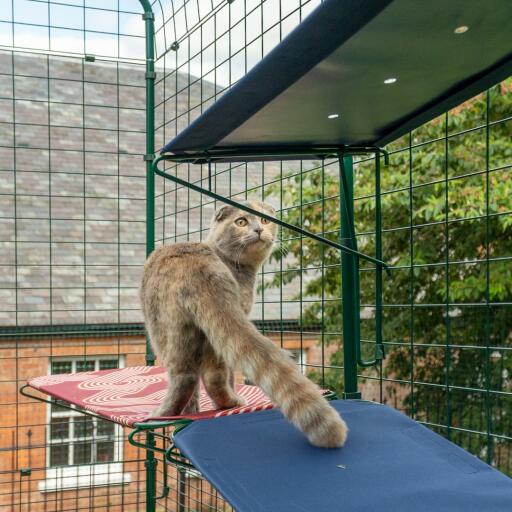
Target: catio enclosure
{"points": [[83, 110]]}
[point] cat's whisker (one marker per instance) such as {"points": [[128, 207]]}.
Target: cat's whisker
{"points": [[282, 249], [242, 248]]}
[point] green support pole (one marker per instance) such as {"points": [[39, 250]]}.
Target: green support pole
{"points": [[150, 465], [149, 20], [379, 347], [349, 279]]}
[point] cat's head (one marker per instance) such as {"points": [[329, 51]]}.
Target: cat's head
{"points": [[243, 237]]}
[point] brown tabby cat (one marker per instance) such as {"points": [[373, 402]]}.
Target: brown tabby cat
{"points": [[196, 298]]}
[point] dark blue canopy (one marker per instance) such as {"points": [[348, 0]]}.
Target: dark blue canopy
{"points": [[337, 61], [390, 463]]}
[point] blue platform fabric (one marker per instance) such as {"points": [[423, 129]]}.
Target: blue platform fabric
{"points": [[390, 463], [336, 62]]}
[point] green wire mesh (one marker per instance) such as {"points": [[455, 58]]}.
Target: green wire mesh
{"points": [[445, 227], [72, 236]]}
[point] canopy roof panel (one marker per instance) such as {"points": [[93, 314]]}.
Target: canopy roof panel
{"points": [[337, 61]]}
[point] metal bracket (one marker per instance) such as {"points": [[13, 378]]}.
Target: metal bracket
{"points": [[151, 75], [89, 58], [148, 158], [246, 208], [23, 391], [173, 456], [380, 352], [148, 16], [330, 395], [352, 396]]}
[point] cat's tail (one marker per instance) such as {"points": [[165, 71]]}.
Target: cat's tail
{"points": [[242, 346]]}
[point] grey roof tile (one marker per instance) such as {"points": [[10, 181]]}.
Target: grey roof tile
{"points": [[81, 216]]}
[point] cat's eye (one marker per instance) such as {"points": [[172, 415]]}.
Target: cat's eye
{"points": [[242, 221], [264, 221]]}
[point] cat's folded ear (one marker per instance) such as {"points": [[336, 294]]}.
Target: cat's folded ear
{"points": [[270, 208], [267, 207], [223, 212]]}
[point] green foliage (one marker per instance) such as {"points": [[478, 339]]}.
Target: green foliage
{"points": [[442, 217]]}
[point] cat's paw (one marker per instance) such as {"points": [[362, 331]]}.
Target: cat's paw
{"points": [[192, 407], [239, 401], [332, 433], [232, 402], [160, 411]]}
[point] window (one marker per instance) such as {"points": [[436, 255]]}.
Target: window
{"points": [[82, 450], [299, 356], [76, 438]]}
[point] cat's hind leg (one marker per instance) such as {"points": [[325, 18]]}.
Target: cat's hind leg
{"points": [[182, 358], [193, 404], [218, 380]]}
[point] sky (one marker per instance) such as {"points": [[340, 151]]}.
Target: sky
{"points": [[78, 27]]}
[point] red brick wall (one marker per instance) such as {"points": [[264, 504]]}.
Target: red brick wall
{"points": [[23, 424]]}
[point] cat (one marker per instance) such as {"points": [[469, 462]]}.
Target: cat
{"points": [[196, 298]]}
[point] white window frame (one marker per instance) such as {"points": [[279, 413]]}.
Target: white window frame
{"points": [[86, 475], [300, 357]]}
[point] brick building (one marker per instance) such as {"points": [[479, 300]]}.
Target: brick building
{"points": [[72, 246]]}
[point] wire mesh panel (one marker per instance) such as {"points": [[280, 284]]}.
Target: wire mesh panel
{"points": [[72, 245], [72, 241], [445, 221], [446, 208]]}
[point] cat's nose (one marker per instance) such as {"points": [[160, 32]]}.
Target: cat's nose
{"points": [[258, 230]]}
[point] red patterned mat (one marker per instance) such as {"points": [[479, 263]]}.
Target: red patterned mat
{"points": [[129, 395]]}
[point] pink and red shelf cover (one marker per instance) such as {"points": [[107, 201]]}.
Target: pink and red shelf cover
{"points": [[129, 395]]}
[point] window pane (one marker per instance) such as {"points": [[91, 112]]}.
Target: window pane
{"points": [[59, 428], [85, 366], [106, 428], [56, 408], [82, 453], [84, 427], [105, 451], [59, 455], [61, 367], [106, 364]]}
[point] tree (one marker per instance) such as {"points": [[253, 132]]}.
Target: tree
{"points": [[447, 231]]}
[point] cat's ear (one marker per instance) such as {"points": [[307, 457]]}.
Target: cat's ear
{"points": [[223, 212], [268, 208], [271, 209]]}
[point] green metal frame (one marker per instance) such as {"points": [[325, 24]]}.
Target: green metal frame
{"points": [[349, 253], [279, 222], [148, 435], [151, 431], [149, 19]]}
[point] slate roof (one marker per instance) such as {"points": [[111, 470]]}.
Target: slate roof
{"points": [[72, 185]]}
